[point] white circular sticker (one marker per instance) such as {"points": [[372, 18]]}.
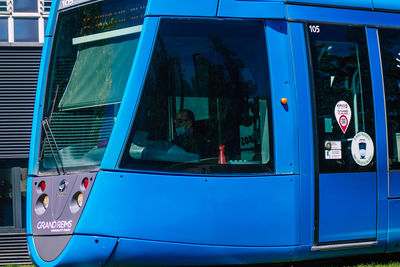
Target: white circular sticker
{"points": [[362, 149]]}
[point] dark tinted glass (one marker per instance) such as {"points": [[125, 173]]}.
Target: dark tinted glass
{"points": [[6, 197], [205, 103], [26, 30], [390, 53], [3, 6], [45, 24], [343, 98], [3, 29], [23, 187]]}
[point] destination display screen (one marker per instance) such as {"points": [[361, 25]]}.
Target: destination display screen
{"points": [[103, 18], [70, 3]]}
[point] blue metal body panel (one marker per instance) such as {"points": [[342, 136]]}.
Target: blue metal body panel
{"points": [[38, 111], [251, 9], [131, 95], [286, 143], [182, 8], [90, 250], [29, 230], [304, 117], [166, 219], [51, 21], [380, 130], [169, 254], [347, 206], [386, 4], [337, 3], [349, 16], [393, 237], [217, 210], [394, 184]]}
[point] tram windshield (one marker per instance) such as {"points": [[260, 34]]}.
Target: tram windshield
{"points": [[205, 102], [93, 50]]}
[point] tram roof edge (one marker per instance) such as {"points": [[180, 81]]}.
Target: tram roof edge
{"points": [[388, 5], [257, 8]]}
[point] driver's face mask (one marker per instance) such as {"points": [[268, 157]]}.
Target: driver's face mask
{"points": [[180, 130]]}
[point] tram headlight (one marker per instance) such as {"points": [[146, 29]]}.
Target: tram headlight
{"points": [[76, 202], [79, 199], [42, 204], [46, 201]]}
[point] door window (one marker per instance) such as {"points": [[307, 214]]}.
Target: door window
{"points": [[390, 54], [343, 98]]}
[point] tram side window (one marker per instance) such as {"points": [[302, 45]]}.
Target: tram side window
{"points": [[390, 53], [205, 102], [343, 98]]}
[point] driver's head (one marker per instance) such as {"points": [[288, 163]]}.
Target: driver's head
{"points": [[185, 118]]}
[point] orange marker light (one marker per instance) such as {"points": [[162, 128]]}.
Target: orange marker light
{"points": [[283, 101]]}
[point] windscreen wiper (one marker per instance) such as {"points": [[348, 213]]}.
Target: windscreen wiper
{"points": [[49, 133], [47, 129]]}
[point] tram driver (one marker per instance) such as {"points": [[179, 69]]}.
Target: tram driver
{"points": [[187, 138]]}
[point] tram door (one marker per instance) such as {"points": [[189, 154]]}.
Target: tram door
{"points": [[344, 135]]}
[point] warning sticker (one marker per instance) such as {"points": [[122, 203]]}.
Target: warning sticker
{"points": [[343, 115]]}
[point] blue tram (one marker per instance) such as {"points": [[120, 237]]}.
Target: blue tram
{"points": [[215, 132]]}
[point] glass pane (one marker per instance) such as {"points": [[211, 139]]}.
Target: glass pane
{"points": [[26, 30], [3, 30], [205, 103], [110, 63], [24, 178], [25, 6], [93, 51], [45, 24], [47, 5], [390, 53], [3, 6], [6, 209], [343, 98]]}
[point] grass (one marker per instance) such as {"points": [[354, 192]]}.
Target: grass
{"points": [[374, 260], [381, 260]]}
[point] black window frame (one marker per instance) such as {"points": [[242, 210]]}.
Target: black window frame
{"points": [[214, 169]]}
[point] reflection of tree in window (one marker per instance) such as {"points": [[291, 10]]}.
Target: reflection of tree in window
{"points": [[228, 92], [206, 69]]}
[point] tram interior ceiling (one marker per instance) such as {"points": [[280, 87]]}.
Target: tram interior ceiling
{"points": [[211, 133]]}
